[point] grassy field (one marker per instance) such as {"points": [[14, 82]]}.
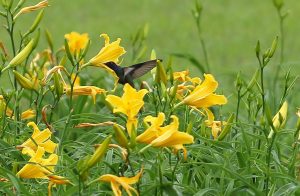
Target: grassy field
{"points": [[231, 29]]}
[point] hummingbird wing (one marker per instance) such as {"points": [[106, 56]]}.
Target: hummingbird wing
{"points": [[137, 70]]}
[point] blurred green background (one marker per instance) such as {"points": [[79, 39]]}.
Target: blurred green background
{"points": [[231, 29]]}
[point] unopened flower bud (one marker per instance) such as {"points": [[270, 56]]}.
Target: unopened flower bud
{"points": [[120, 136], [99, 153], [24, 82]]}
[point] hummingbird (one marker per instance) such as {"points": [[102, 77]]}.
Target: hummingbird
{"points": [[128, 74]]}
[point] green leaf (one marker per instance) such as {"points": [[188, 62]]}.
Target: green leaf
{"points": [[192, 59]]}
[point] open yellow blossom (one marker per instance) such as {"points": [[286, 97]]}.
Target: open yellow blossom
{"points": [[37, 166], [216, 126], [109, 53], [167, 136], [203, 95], [186, 85], [53, 180], [181, 75], [129, 104], [124, 182], [86, 90], [156, 129], [28, 9], [38, 138], [77, 42]]}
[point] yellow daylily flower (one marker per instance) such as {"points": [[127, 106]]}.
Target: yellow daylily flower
{"points": [[181, 75], [110, 52], [125, 182], [38, 138], [54, 180], [178, 147], [129, 104], [167, 136], [28, 9], [37, 166], [77, 42], [85, 90], [156, 129], [187, 83], [215, 125], [216, 128], [203, 95]]}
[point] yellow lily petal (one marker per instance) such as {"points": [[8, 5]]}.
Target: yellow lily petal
{"points": [[171, 138], [125, 182], [202, 95], [210, 100], [154, 131], [86, 90], [203, 90], [181, 75], [58, 179], [109, 53], [28, 114], [76, 41], [129, 104], [39, 138], [167, 136], [131, 124], [37, 167], [178, 147], [210, 115]]}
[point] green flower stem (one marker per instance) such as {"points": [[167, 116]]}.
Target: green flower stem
{"points": [[204, 53], [145, 148], [160, 173], [295, 152], [262, 88], [268, 161], [10, 29], [178, 104], [238, 105], [175, 167], [203, 46], [64, 131], [281, 29], [53, 106], [132, 171]]}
